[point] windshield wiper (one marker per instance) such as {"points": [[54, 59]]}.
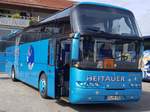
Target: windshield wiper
{"points": [[97, 30], [94, 29], [111, 34]]}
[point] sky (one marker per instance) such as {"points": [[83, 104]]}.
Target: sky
{"points": [[140, 8]]}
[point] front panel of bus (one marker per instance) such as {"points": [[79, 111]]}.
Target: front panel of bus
{"points": [[106, 69]]}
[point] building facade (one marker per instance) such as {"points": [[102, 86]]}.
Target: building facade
{"points": [[17, 14]]}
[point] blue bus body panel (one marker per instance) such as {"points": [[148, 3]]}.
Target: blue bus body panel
{"points": [[27, 73], [51, 81], [30, 74], [2, 62], [108, 87], [17, 56]]}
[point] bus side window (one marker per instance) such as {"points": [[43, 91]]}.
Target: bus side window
{"points": [[46, 32], [51, 52], [31, 35], [23, 38], [66, 53], [64, 26]]}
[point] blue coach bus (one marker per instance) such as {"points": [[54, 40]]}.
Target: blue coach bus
{"points": [[146, 59], [88, 53]]}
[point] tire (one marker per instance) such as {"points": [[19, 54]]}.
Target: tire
{"points": [[13, 75], [43, 86]]}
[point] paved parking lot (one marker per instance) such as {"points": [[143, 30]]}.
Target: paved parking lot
{"points": [[18, 97]]}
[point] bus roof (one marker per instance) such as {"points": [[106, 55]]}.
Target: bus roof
{"points": [[67, 11], [104, 4], [61, 14]]}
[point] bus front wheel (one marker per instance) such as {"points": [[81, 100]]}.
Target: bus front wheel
{"points": [[13, 75], [43, 86]]}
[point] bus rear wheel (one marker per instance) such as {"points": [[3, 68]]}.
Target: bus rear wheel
{"points": [[13, 75], [43, 86]]}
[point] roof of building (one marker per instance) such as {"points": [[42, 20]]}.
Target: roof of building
{"points": [[44, 4]]}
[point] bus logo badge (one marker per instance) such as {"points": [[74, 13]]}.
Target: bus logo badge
{"points": [[30, 57]]}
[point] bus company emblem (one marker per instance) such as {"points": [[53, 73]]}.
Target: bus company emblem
{"points": [[106, 78], [30, 57]]}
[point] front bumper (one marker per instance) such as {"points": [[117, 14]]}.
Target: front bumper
{"points": [[93, 96]]}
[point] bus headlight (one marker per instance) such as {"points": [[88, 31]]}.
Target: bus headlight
{"points": [[135, 81], [87, 84], [135, 85]]}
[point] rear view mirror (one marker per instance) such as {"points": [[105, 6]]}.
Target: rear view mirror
{"points": [[75, 47]]}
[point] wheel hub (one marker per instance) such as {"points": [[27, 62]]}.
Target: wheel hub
{"points": [[42, 85]]}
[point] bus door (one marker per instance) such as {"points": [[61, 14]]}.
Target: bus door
{"points": [[63, 66]]}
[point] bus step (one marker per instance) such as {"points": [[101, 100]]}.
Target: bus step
{"points": [[65, 99]]}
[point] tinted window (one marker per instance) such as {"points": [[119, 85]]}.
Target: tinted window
{"points": [[48, 30], [97, 19], [64, 26]]}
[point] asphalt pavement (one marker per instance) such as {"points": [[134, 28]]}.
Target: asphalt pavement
{"points": [[19, 97]]}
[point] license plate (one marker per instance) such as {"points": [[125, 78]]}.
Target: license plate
{"points": [[113, 98]]}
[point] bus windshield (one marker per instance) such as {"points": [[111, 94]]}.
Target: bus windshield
{"points": [[109, 54], [101, 19]]}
